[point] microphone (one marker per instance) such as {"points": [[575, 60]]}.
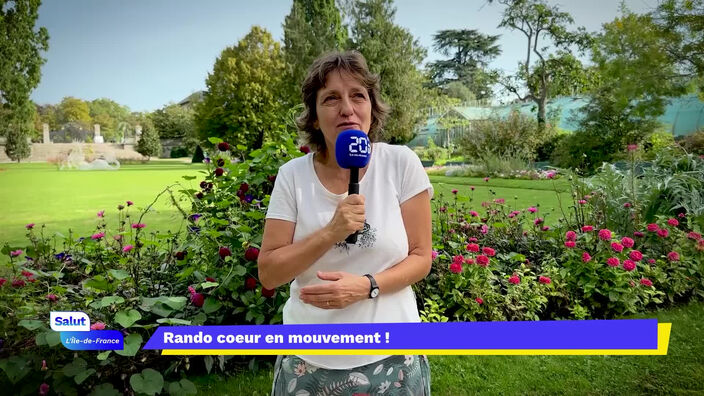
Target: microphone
{"points": [[353, 151]]}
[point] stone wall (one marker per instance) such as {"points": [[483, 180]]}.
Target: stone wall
{"points": [[42, 152]]}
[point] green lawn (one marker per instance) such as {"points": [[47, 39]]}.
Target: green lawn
{"points": [[41, 194], [681, 371]]}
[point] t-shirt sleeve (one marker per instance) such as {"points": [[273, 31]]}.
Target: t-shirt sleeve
{"points": [[282, 204], [414, 179]]}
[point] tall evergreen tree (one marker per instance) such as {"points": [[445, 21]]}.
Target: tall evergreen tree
{"points": [[20, 71], [312, 28]]}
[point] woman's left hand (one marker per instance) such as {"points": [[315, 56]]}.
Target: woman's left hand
{"points": [[342, 290]]}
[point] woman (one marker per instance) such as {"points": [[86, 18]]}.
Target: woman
{"points": [[309, 217]]}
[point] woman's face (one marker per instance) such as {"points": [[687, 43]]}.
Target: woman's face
{"points": [[343, 103]]}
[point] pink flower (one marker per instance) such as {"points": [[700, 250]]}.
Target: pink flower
{"points": [[544, 280], [613, 261], [570, 244], [673, 222], [43, 389], [98, 236], [632, 147], [635, 255], [138, 225], [442, 209], [51, 297], [482, 260], [629, 265], [673, 256], [484, 229], [44, 367], [514, 279], [130, 203], [127, 248], [627, 242], [469, 260], [511, 215], [29, 226], [582, 202], [434, 254], [471, 188], [652, 227], [486, 179], [532, 209], [682, 215], [663, 233], [224, 251], [586, 257], [479, 301], [251, 253], [587, 228], [117, 237], [500, 201], [694, 235], [571, 236], [617, 247], [638, 234], [454, 191], [458, 259], [538, 220], [101, 213], [197, 299], [651, 261], [15, 253], [473, 239], [97, 326], [545, 228], [27, 274], [17, 283], [646, 282], [605, 234], [627, 205], [488, 251], [2, 281], [472, 247], [456, 268]]}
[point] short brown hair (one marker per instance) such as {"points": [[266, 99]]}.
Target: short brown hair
{"points": [[353, 63]]}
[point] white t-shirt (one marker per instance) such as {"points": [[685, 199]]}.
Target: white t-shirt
{"points": [[394, 175]]}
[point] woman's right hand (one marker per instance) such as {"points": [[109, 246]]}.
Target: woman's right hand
{"points": [[348, 217]]}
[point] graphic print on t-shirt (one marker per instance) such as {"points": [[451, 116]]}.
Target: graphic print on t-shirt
{"points": [[365, 239]]}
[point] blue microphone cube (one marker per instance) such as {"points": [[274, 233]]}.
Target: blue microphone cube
{"points": [[352, 149]]}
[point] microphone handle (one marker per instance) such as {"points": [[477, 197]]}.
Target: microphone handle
{"points": [[353, 189]]}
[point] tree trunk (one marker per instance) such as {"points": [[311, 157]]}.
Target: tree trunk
{"points": [[542, 104]]}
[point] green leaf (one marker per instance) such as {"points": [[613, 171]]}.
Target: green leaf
{"points": [[187, 177], [149, 382], [255, 214], [15, 367], [215, 140], [239, 270], [103, 355], [208, 360], [110, 300], [131, 345], [211, 305], [97, 282], [173, 321], [76, 367], [79, 378], [105, 390], [53, 338], [174, 302], [181, 388], [206, 285], [127, 318], [31, 324], [119, 274]]}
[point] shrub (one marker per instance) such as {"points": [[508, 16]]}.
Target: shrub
{"points": [[693, 143]]}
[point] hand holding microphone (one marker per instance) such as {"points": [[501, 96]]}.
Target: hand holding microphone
{"points": [[352, 151]]}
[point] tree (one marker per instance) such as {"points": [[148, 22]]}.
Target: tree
{"points": [[74, 110], [175, 122], [148, 144], [20, 71], [395, 56], [543, 26], [243, 100], [470, 53], [568, 77], [312, 28], [109, 114]]}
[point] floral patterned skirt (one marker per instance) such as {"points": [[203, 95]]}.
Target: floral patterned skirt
{"points": [[395, 375]]}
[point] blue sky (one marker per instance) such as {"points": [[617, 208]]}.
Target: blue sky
{"points": [[145, 54]]}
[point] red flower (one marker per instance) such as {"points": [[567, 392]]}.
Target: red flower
{"points": [[617, 247], [587, 228], [486, 179], [43, 389], [663, 233], [454, 191], [251, 253], [97, 326], [2, 281], [482, 260], [456, 268], [210, 279], [180, 255], [472, 247], [673, 256], [224, 251], [570, 244], [197, 299], [268, 293], [613, 261], [635, 255], [250, 283], [586, 257], [627, 205], [471, 188], [646, 282], [479, 301], [694, 235], [514, 279], [469, 260], [582, 202], [652, 227], [632, 147], [16, 283], [138, 225], [545, 228], [538, 220], [571, 236], [51, 297], [223, 146], [489, 251], [304, 149], [27, 274], [458, 259], [629, 265], [219, 171], [605, 234], [129, 203], [638, 234], [627, 242], [29, 226], [544, 280], [673, 222]]}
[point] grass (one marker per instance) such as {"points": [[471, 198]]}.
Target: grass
{"points": [[681, 371]]}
